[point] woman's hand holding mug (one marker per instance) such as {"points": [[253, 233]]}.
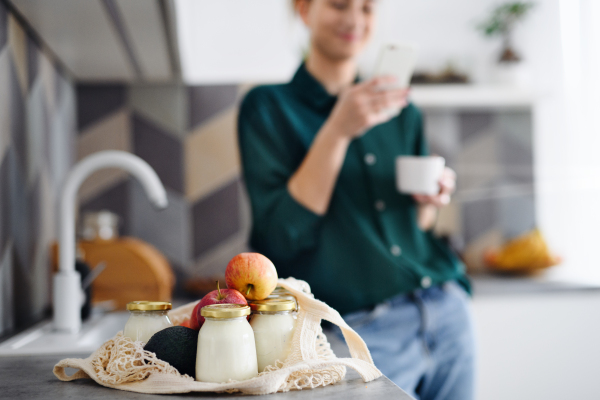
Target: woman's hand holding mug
{"points": [[447, 184], [365, 105]]}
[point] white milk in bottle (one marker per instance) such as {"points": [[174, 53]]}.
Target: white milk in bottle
{"points": [[226, 348], [273, 321], [146, 318]]}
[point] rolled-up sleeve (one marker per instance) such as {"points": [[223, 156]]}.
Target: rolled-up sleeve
{"points": [[282, 228]]}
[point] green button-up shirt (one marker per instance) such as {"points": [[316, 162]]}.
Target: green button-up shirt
{"points": [[368, 246]]}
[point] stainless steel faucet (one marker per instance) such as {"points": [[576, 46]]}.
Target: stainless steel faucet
{"points": [[67, 293]]}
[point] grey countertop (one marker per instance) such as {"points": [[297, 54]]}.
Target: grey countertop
{"points": [[487, 284], [31, 377]]}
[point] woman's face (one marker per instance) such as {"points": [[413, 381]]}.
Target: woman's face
{"points": [[339, 29]]}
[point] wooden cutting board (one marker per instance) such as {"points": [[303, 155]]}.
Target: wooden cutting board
{"points": [[135, 270]]}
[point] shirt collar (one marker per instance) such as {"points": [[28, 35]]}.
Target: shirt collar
{"points": [[311, 90]]}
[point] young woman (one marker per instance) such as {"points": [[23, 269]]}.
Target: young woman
{"points": [[318, 159]]}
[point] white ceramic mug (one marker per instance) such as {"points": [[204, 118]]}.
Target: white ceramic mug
{"points": [[419, 174]]}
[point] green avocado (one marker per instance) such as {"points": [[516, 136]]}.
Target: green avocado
{"points": [[176, 345]]}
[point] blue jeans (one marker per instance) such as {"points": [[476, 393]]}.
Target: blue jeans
{"points": [[423, 341]]}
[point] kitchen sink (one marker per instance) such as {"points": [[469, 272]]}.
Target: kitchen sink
{"points": [[43, 339]]}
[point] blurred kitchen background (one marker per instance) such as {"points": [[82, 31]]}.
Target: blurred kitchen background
{"points": [[163, 78]]}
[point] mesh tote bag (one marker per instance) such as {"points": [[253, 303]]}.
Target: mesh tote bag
{"points": [[123, 364]]}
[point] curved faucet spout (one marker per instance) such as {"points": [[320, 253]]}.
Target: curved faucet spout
{"points": [[103, 159], [67, 276]]}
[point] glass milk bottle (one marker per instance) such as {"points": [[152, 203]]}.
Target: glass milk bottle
{"points": [[282, 293], [273, 321], [146, 318], [226, 348]]}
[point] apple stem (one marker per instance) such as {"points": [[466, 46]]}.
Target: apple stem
{"points": [[219, 291], [249, 289]]}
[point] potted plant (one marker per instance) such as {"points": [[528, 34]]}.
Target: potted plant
{"points": [[502, 23]]}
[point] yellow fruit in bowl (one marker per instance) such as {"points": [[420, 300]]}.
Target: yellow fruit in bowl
{"points": [[523, 254]]}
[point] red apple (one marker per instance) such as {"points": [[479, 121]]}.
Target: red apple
{"points": [[219, 296], [185, 322], [253, 274]]}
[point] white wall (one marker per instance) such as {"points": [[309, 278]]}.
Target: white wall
{"points": [[538, 346], [233, 41], [241, 41]]}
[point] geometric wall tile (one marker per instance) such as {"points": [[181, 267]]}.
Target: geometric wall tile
{"points": [[37, 128], [61, 149], [477, 162], [17, 40], [114, 199], [40, 296], [38, 256], [22, 292], [34, 208], [516, 159], [17, 116], [33, 53], [165, 105], [168, 229], [19, 210], [7, 297], [473, 123], [479, 217], [516, 215], [96, 101], [162, 150], [5, 98], [216, 217], [3, 25], [41, 279], [47, 74], [48, 208], [212, 263], [516, 125], [109, 133], [36, 141], [207, 101], [442, 132], [5, 209], [211, 155], [516, 145]]}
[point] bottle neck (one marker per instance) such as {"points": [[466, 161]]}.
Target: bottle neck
{"points": [[213, 319], [153, 313], [272, 312]]}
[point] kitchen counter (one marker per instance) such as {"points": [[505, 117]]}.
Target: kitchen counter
{"points": [[31, 377]]}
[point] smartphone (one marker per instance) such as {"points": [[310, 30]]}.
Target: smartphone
{"points": [[397, 59]]}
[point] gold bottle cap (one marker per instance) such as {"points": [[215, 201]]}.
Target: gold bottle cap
{"points": [[225, 310], [282, 296], [280, 290], [149, 306], [273, 305]]}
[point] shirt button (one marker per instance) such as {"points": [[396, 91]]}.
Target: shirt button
{"points": [[395, 250], [425, 282], [380, 205], [370, 159]]}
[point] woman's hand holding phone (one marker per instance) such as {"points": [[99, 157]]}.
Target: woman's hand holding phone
{"points": [[365, 105]]}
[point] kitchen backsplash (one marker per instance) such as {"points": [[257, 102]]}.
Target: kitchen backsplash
{"points": [[37, 132], [492, 152], [188, 135]]}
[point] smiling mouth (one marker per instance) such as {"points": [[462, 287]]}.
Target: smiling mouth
{"points": [[349, 37]]}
